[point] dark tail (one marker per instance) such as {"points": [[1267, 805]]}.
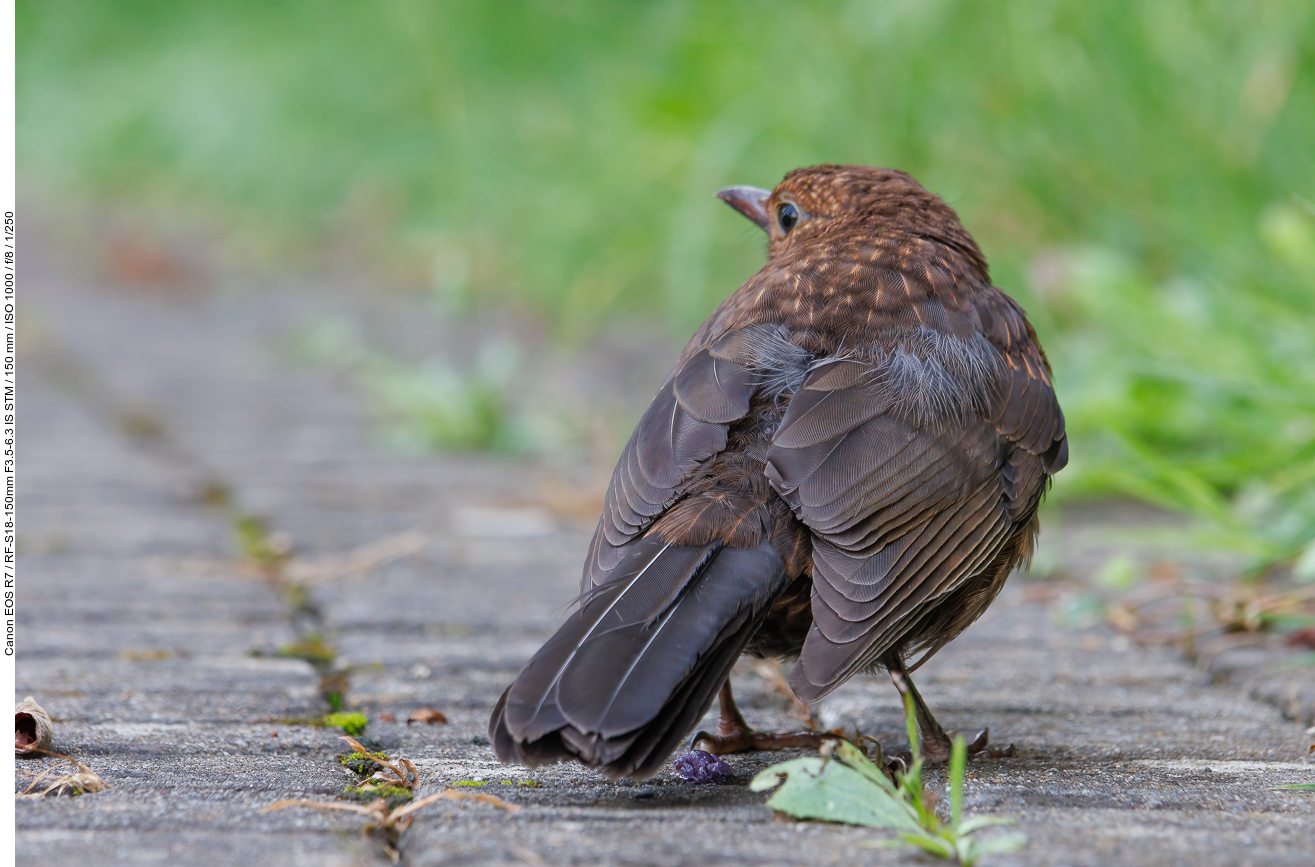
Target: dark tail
{"points": [[635, 668]]}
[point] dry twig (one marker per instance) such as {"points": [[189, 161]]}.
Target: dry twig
{"points": [[82, 781], [353, 563]]}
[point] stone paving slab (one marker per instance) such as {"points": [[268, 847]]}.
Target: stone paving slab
{"points": [[156, 648]]}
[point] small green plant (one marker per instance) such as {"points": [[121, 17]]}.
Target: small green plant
{"points": [[387, 800], [428, 404], [312, 648], [367, 792], [362, 764], [268, 552], [351, 723], [1302, 787], [847, 787], [436, 407]]}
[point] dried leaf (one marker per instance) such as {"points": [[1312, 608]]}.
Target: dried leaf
{"points": [[426, 715], [33, 729], [1303, 638]]}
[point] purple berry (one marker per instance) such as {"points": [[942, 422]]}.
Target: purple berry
{"points": [[698, 766]]}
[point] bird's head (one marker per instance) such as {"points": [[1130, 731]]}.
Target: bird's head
{"points": [[821, 205]]}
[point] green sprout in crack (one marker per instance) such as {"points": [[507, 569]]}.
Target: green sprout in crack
{"points": [[367, 792], [311, 648], [388, 799], [269, 552], [362, 764], [299, 598], [847, 787], [351, 723]]}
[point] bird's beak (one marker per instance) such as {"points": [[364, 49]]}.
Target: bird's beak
{"points": [[749, 201]]}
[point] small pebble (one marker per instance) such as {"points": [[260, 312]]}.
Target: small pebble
{"points": [[698, 766]]}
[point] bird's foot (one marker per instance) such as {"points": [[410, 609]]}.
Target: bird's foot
{"points": [[735, 736], [744, 739], [936, 751]]}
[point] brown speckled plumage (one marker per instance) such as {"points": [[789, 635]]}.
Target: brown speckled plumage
{"points": [[846, 460]]}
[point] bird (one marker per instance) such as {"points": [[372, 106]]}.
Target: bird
{"points": [[841, 469]]}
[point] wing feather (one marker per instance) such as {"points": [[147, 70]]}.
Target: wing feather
{"points": [[908, 494], [684, 426]]}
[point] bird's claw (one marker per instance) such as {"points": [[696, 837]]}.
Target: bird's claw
{"points": [[979, 741], [938, 752], [978, 747]]}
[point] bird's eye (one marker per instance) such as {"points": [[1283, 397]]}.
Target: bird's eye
{"points": [[787, 216]]}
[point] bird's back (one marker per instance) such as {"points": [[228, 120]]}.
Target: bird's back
{"points": [[867, 422]]}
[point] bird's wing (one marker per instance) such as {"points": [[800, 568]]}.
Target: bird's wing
{"points": [[684, 426], [910, 470]]}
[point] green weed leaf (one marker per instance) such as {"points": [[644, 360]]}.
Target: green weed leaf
{"points": [[850, 789], [930, 843], [815, 788], [998, 844], [977, 823]]}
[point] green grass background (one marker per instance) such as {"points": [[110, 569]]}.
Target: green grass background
{"points": [[1141, 176]]}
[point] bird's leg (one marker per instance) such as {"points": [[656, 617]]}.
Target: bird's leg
{"points": [[936, 742], [735, 736], [770, 671]]}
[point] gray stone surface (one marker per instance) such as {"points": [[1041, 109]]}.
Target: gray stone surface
{"points": [[155, 646]]}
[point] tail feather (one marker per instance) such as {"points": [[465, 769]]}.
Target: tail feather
{"points": [[633, 670], [684, 709]]}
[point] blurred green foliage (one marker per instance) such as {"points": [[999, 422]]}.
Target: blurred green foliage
{"points": [[426, 406], [1141, 175]]}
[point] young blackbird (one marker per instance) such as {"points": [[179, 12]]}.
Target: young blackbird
{"points": [[843, 467]]}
